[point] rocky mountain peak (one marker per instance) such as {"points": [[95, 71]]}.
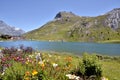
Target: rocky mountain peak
{"points": [[9, 30], [64, 14], [113, 18], [114, 11]]}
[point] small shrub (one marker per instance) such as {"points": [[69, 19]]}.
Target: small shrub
{"points": [[89, 67], [92, 66]]}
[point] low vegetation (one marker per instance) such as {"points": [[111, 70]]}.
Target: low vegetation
{"points": [[24, 63]]}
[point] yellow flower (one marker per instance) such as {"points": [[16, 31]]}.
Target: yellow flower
{"points": [[26, 62], [41, 63], [69, 65], [26, 78], [34, 72]]}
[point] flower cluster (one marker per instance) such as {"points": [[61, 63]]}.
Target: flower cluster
{"points": [[25, 64]]}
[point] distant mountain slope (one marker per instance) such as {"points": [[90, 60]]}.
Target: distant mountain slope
{"points": [[70, 27], [9, 30]]}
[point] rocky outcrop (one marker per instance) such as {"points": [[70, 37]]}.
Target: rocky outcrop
{"points": [[64, 14], [113, 18]]}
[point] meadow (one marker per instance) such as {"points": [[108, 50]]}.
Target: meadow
{"points": [[24, 63]]}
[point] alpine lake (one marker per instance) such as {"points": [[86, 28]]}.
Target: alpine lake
{"points": [[111, 49]]}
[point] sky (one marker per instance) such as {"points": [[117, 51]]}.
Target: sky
{"points": [[32, 14]]}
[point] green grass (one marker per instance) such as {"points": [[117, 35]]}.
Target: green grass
{"points": [[111, 69], [110, 41]]}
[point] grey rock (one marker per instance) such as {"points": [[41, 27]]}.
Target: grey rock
{"points": [[113, 18], [64, 14]]}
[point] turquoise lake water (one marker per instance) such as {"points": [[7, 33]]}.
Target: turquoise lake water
{"points": [[72, 47]]}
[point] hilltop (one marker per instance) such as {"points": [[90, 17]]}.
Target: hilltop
{"points": [[67, 26]]}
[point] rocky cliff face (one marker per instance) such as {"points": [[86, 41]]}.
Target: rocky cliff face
{"points": [[9, 30], [113, 18]]}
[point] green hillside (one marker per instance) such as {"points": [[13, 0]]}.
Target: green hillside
{"points": [[69, 27]]}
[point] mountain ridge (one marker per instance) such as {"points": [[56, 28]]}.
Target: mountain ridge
{"points": [[10, 30], [70, 27]]}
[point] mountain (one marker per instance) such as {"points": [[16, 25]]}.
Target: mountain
{"points": [[69, 27], [9, 30]]}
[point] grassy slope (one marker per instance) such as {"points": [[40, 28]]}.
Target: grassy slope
{"points": [[55, 30], [75, 29]]}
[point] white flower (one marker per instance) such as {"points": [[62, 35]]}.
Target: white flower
{"points": [[73, 77], [77, 78], [19, 50], [55, 65], [70, 76], [3, 73], [38, 57]]}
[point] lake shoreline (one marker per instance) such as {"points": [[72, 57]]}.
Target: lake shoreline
{"points": [[106, 41], [70, 47]]}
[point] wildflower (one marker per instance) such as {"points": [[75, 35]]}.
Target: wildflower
{"points": [[55, 65], [3, 73], [27, 73], [41, 64], [49, 55], [69, 59], [26, 62], [70, 65], [31, 56], [104, 78], [19, 50], [34, 72], [39, 57], [26, 78], [72, 77]]}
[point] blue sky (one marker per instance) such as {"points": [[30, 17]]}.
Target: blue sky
{"points": [[31, 14]]}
